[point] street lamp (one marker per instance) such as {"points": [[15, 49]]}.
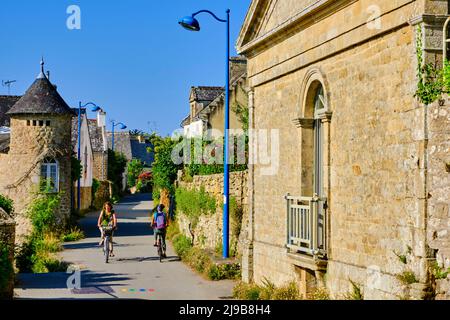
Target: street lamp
{"points": [[114, 124], [192, 24], [95, 108]]}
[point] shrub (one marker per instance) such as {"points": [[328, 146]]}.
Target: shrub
{"points": [[164, 170], [356, 293], [320, 294], [182, 245], [74, 234], [194, 203], [134, 170], [172, 230], [49, 243], [7, 204], [246, 291], [117, 162], [42, 212], [224, 271], [6, 266], [266, 291], [407, 277]]}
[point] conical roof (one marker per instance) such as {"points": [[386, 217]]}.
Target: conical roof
{"points": [[41, 98]]}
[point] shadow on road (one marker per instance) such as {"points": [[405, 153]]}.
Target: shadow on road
{"points": [[58, 280], [143, 259]]}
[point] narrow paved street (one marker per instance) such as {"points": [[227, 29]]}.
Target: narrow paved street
{"points": [[134, 273]]}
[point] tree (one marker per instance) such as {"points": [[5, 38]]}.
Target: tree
{"points": [[117, 163], [164, 170], [135, 168]]}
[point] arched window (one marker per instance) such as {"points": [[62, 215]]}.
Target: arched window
{"points": [[50, 175]]}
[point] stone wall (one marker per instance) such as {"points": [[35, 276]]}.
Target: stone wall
{"points": [[208, 232], [85, 195], [438, 230], [7, 238], [374, 147], [100, 166]]}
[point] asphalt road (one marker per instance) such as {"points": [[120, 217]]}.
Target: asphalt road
{"points": [[134, 273]]}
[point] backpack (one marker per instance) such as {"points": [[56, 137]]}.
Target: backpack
{"points": [[160, 220]]}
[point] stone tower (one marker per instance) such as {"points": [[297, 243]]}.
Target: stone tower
{"points": [[40, 149]]}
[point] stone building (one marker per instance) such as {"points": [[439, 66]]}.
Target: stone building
{"points": [[207, 104], [363, 193], [40, 148], [199, 98]]}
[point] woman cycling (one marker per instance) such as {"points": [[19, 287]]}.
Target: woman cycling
{"points": [[107, 218]]}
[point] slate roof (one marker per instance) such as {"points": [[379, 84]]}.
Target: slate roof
{"points": [[4, 143], [41, 98], [6, 103], [95, 134], [206, 93], [139, 151]]}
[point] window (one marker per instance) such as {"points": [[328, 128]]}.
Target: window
{"points": [[319, 105], [28, 122], [41, 123], [47, 123], [34, 123], [50, 176]]}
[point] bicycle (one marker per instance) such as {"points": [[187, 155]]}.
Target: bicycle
{"points": [[160, 250], [107, 245]]}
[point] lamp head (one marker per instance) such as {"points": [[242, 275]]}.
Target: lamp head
{"points": [[123, 127], [190, 23], [96, 108]]}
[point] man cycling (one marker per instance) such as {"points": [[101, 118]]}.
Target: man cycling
{"points": [[160, 222]]}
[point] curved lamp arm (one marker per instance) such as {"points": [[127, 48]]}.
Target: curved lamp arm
{"points": [[212, 14], [95, 107]]}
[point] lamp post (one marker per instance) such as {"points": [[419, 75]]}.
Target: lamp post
{"points": [[114, 125], [81, 107], [192, 24]]}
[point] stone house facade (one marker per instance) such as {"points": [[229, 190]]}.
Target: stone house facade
{"points": [[207, 104], [362, 183]]}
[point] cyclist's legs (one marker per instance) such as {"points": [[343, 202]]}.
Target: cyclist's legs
{"points": [[163, 239], [155, 231]]}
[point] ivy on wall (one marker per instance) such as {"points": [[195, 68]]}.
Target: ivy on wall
{"points": [[432, 82]]}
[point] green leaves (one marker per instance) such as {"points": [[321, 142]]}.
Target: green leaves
{"points": [[194, 203], [42, 212], [433, 81], [7, 204], [76, 168], [135, 168], [163, 169], [117, 163]]}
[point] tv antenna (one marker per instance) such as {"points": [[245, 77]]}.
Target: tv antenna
{"points": [[8, 84]]}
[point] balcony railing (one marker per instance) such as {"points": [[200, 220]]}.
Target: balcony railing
{"points": [[306, 225]]}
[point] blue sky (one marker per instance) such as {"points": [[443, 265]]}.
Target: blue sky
{"points": [[131, 57]]}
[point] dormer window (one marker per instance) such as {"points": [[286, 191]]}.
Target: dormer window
{"points": [[50, 176]]}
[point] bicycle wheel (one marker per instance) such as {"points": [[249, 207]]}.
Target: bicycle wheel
{"points": [[106, 249]]}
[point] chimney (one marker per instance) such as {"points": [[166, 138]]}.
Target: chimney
{"points": [[101, 119]]}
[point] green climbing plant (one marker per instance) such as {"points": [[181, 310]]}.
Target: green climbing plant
{"points": [[432, 81]]}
